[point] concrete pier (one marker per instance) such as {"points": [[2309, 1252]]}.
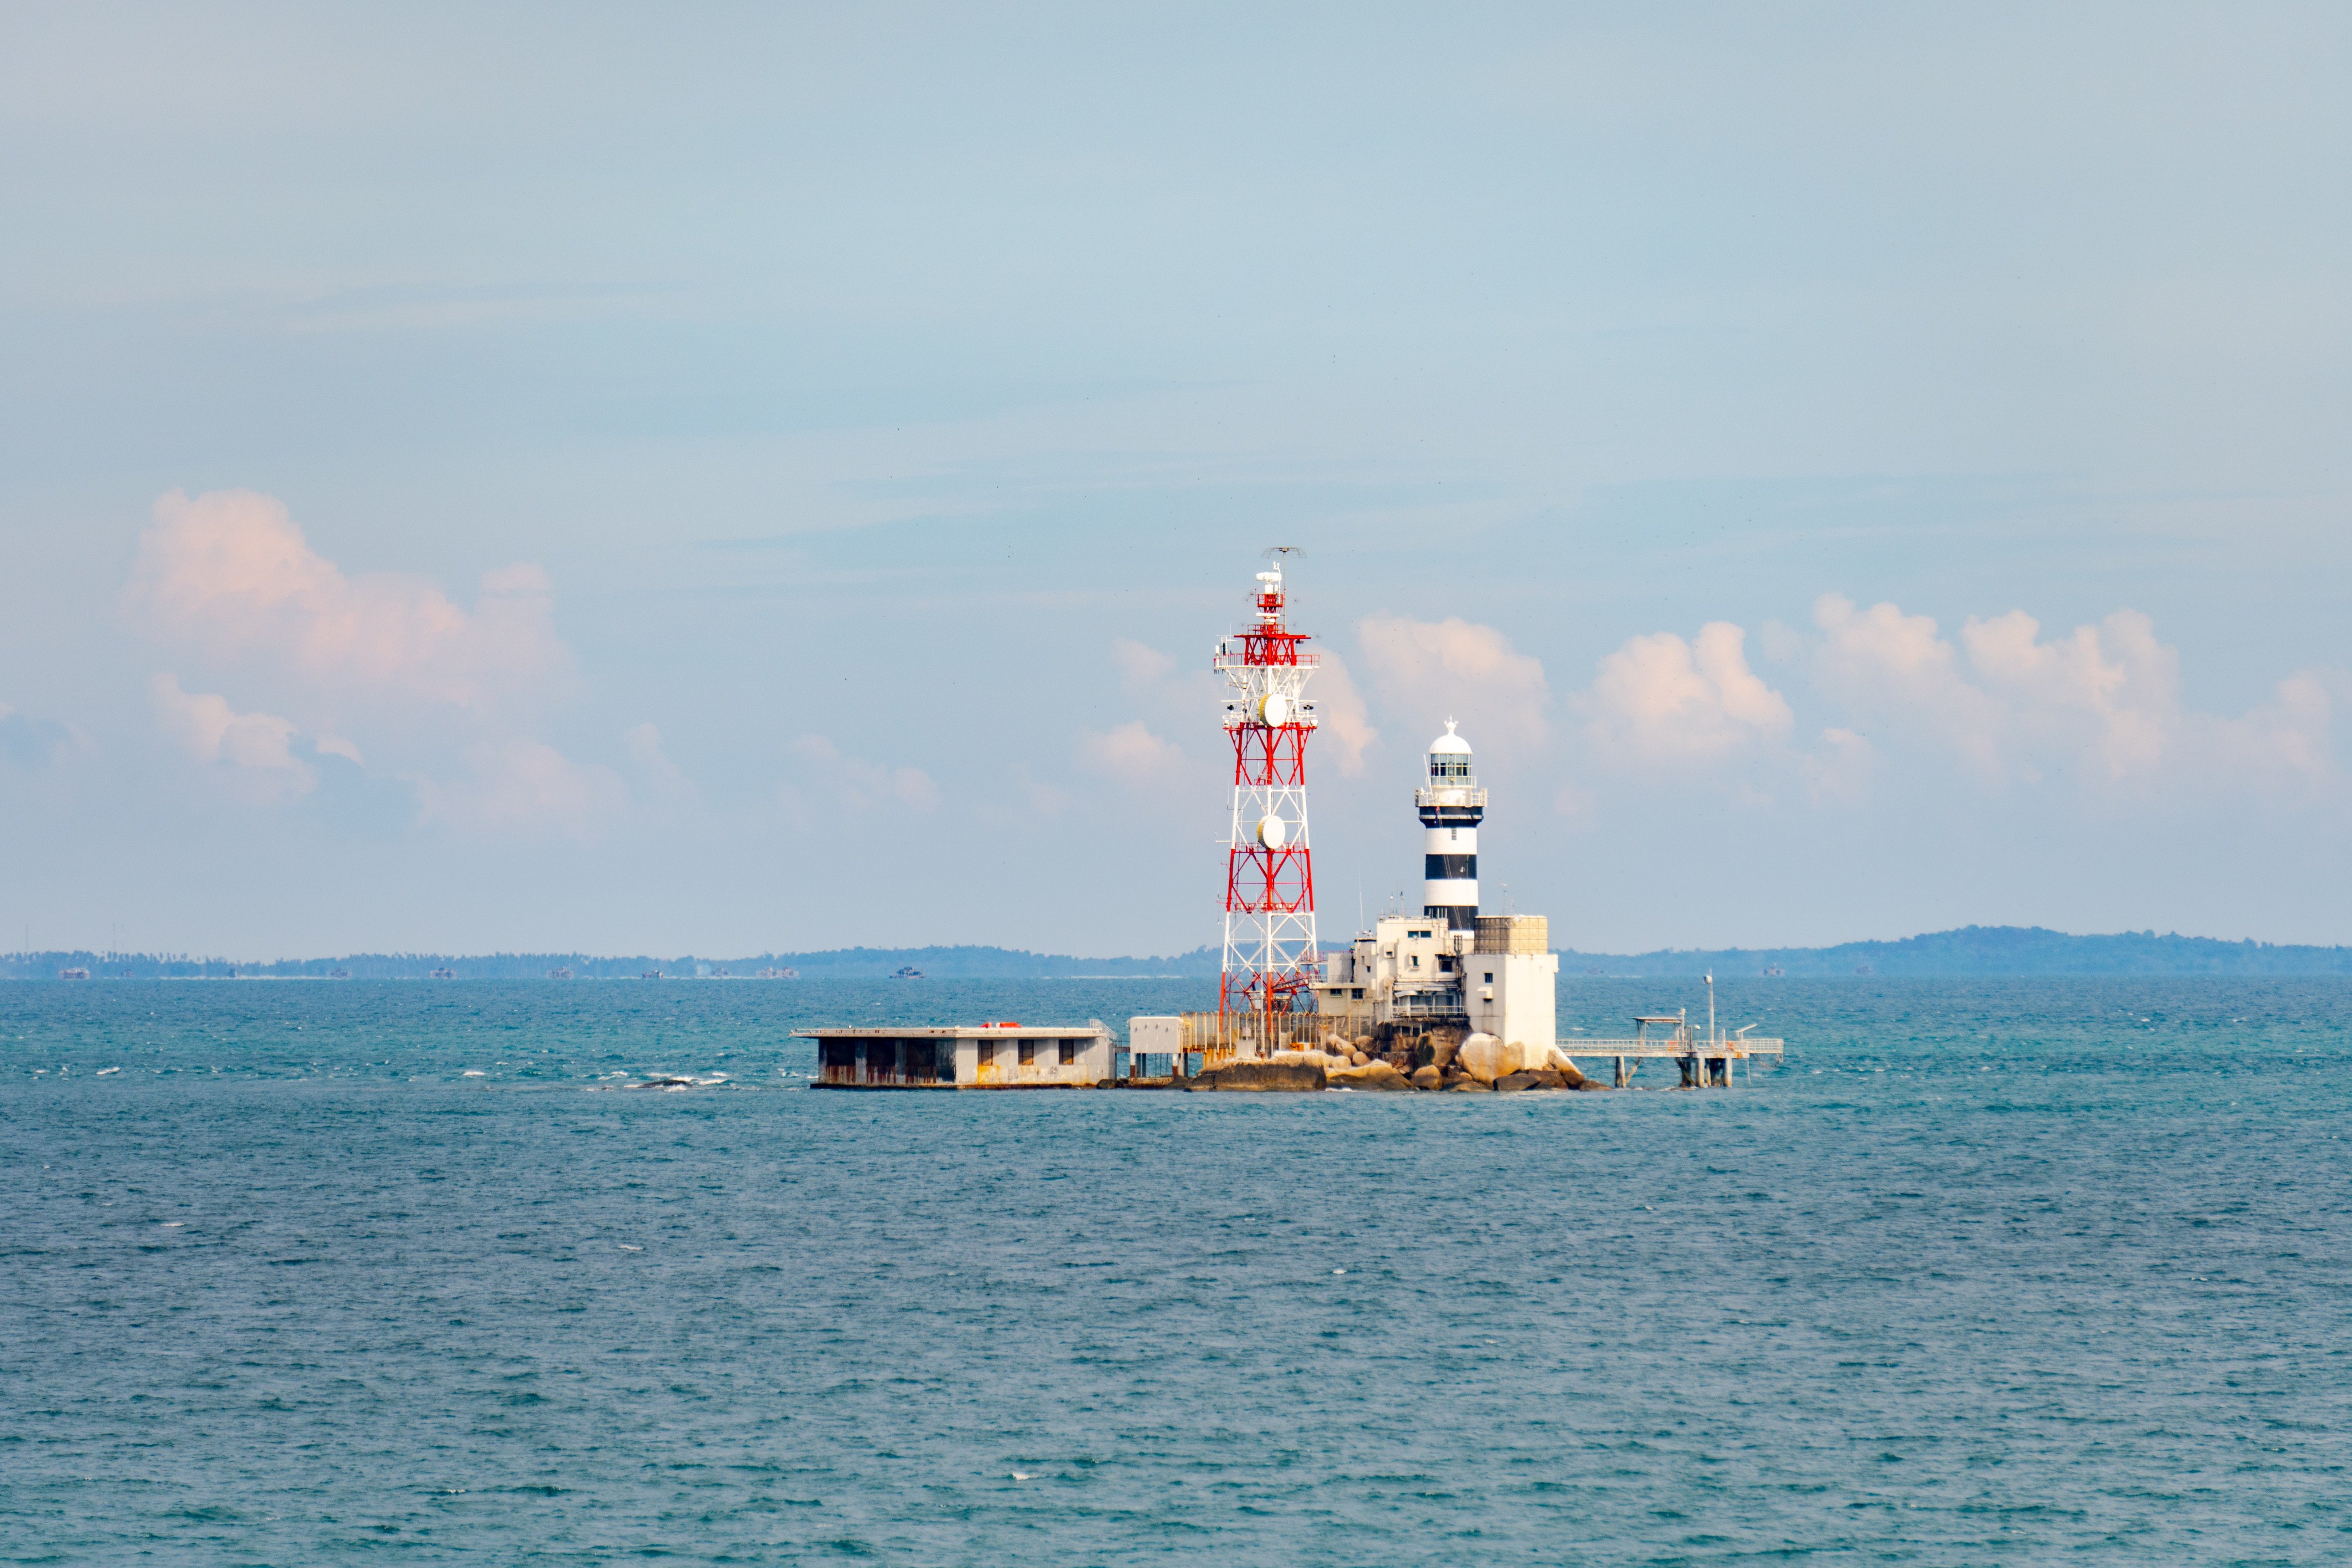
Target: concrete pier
{"points": [[1705, 1060]]}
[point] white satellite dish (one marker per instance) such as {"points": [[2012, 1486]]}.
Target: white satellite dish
{"points": [[1273, 707], [1272, 831]]}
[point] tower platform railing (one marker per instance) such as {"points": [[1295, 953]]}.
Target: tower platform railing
{"points": [[1221, 1038]]}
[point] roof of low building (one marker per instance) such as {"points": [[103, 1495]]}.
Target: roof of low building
{"points": [[947, 1031]]}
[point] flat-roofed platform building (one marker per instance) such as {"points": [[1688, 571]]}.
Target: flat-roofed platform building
{"points": [[968, 1056]]}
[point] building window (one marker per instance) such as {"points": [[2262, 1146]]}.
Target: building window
{"points": [[1357, 994], [1416, 961], [1490, 977], [1028, 1053], [1070, 1053]]}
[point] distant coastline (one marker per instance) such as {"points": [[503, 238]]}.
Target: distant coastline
{"points": [[2015, 951], [1988, 951], [840, 964]]}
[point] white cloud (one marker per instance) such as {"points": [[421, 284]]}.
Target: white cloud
{"points": [[2102, 703], [1457, 668], [1843, 771], [527, 789], [229, 575], [1660, 698], [2111, 690], [258, 747], [380, 666], [1339, 713], [832, 777], [1886, 665], [2285, 748], [1139, 663], [1130, 752], [661, 776], [1044, 799]]}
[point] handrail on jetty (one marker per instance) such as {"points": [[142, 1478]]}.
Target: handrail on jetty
{"points": [[1705, 1056]]}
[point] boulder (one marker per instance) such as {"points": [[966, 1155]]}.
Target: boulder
{"points": [[1378, 1076], [1275, 1077], [1428, 1077], [1357, 1058], [1513, 1082], [1363, 1042], [1481, 1056], [1556, 1060], [1468, 1086], [1441, 1050]]}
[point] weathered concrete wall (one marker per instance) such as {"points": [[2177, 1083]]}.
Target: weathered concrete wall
{"points": [[983, 1063], [1277, 1077]]}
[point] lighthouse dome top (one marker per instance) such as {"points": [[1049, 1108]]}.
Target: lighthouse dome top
{"points": [[1449, 741]]}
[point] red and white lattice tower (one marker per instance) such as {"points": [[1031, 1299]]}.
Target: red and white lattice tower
{"points": [[1270, 954]]}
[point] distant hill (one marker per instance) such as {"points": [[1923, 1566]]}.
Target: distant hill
{"points": [[1972, 950], [840, 964], [1982, 950]]}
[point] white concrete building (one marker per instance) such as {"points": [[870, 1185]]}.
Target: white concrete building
{"points": [[974, 1055], [1509, 981]]}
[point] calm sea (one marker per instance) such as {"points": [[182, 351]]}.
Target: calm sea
{"points": [[1987, 1272]]}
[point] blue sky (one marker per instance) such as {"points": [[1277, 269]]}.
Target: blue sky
{"points": [[771, 479]]}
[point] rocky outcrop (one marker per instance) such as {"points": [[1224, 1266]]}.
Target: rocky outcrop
{"points": [[1481, 1056], [1437, 1062], [1373, 1076], [1490, 1060]]}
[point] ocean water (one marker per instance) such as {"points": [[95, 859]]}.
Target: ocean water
{"points": [[1985, 1272]]}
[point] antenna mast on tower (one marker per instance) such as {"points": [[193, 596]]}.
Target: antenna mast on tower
{"points": [[1270, 953]]}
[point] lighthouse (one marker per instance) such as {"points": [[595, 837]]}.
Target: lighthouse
{"points": [[1449, 967], [1451, 805]]}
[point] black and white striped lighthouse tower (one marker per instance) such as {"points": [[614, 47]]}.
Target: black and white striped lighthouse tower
{"points": [[1451, 805]]}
